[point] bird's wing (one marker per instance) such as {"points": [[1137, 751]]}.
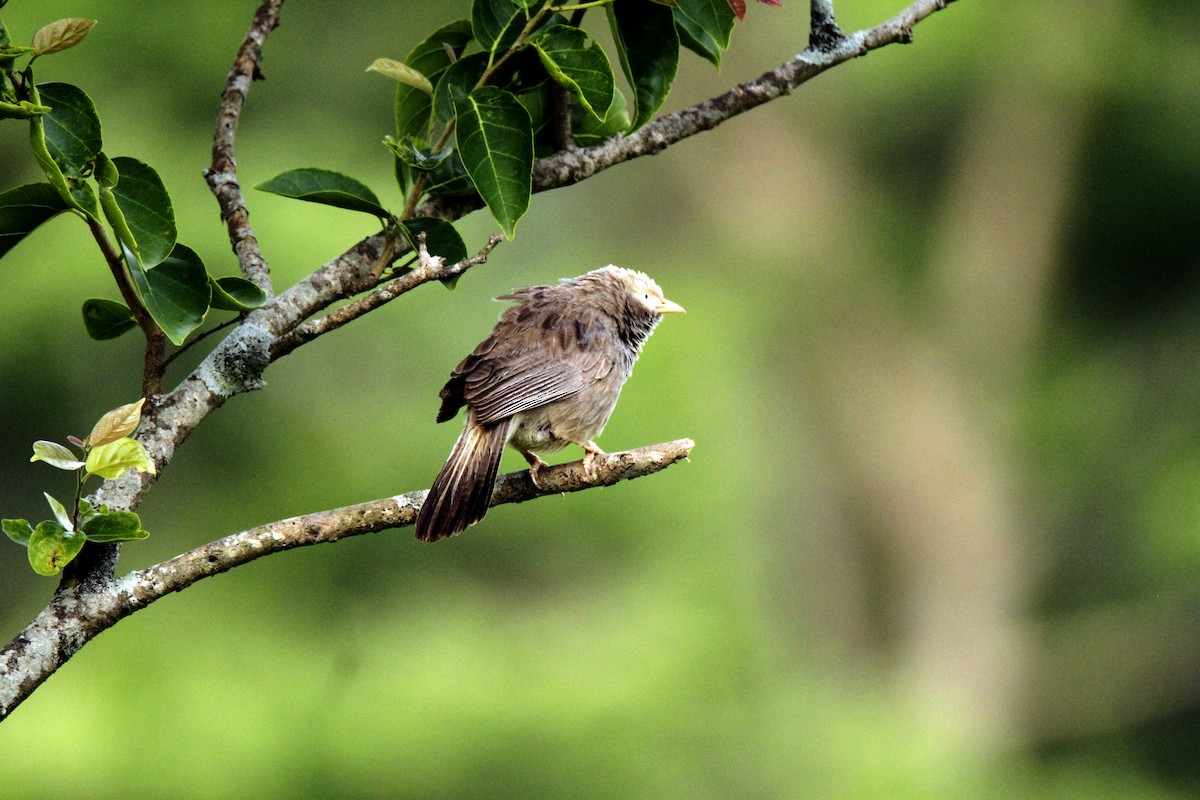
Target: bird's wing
{"points": [[530, 367]]}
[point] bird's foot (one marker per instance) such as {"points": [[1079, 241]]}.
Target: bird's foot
{"points": [[535, 464], [589, 458]]}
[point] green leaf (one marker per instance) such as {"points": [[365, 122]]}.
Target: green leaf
{"points": [[496, 144], [60, 513], [56, 455], [326, 187], [577, 65], [236, 294], [110, 461], [176, 292], [76, 192], [460, 78], [143, 219], [587, 130], [61, 35], [441, 238], [51, 547], [497, 23], [539, 104], [450, 178], [115, 526], [106, 319], [704, 26], [401, 73], [116, 424], [648, 47], [429, 57], [22, 109], [72, 128], [18, 530], [24, 208], [414, 156]]}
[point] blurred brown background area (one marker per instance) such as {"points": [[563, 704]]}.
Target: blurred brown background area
{"points": [[940, 534]]}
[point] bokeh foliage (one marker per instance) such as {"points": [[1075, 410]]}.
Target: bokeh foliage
{"points": [[940, 533]]}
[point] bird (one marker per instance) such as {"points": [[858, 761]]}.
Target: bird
{"points": [[547, 376]]}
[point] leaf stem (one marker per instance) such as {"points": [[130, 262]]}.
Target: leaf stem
{"points": [[153, 365], [580, 6]]}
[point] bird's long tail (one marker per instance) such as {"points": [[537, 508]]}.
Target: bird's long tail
{"points": [[462, 491]]}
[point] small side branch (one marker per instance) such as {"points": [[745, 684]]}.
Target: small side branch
{"points": [[221, 176], [823, 32], [428, 269], [77, 614]]}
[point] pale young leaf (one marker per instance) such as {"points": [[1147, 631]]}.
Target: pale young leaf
{"points": [[61, 35], [60, 513], [55, 454], [401, 72], [116, 424], [110, 460]]}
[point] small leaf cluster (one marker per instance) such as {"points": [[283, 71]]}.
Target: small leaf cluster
{"points": [[479, 99], [106, 452], [123, 201]]}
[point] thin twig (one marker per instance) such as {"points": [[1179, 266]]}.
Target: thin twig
{"points": [[427, 269], [221, 176], [197, 339]]}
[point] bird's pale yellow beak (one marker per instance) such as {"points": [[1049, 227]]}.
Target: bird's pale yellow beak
{"points": [[667, 307]]}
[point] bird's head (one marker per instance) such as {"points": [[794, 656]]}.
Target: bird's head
{"points": [[640, 289]]}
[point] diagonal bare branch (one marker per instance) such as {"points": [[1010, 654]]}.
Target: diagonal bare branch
{"points": [[79, 612]]}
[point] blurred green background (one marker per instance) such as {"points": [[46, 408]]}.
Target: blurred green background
{"points": [[940, 534]]}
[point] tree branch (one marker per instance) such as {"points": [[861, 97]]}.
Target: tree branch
{"points": [[823, 32], [86, 604], [424, 272], [222, 175], [77, 614], [237, 364]]}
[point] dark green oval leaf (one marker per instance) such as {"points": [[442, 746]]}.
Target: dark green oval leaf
{"points": [[106, 319], [236, 294], [648, 47], [577, 65], [71, 129], [54, 173], [145, 210], [460, 78], [495, 142], [450, 178], [325, 187], [587, 130], [704, 26], [23, 208], [115, 526], [176, 292], [497, 23], [441, 238]]}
